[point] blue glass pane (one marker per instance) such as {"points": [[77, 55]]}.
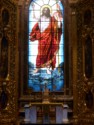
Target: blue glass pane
{"points": [[46, 45]]}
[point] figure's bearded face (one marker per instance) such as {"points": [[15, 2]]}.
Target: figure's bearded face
{"points": [[46, 12]]}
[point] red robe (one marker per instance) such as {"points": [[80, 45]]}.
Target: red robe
{"points": [[48, 43]]}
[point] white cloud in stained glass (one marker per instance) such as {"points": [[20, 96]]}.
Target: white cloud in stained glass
{"points": [[46, 1], [61, 49], [38, 2], [34, 5]]}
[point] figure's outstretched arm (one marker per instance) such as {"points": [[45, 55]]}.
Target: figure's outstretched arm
{"points": [[58, 16]]}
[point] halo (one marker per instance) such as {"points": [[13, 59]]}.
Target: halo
{"points": [[46, 5]]}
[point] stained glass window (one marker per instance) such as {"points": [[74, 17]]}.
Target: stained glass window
{"points": [[46, 45]]}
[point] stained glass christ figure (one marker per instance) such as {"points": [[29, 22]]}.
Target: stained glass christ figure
{"points": [[47, 31]]}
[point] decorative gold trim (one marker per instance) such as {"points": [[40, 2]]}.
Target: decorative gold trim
{"points": [[9, 114], [81, 85]]}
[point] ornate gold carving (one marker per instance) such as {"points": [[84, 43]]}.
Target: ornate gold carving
{"points": [[9, 114], [82, 85]]}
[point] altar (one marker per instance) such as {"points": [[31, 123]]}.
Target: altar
{"points": [[50, 113], [46, 112]]}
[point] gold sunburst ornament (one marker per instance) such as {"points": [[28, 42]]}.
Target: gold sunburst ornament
{"points": [[48, 6]]}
